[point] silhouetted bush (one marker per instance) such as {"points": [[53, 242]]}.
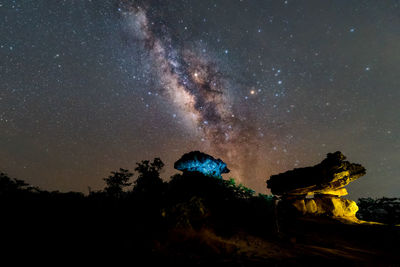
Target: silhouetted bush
{"points": [[383, 210], [10, 186]]}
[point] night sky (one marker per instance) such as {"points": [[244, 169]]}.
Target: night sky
{"points": [[87, 87]]}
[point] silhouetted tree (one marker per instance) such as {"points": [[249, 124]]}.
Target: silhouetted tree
{"points": [[10, 186], [149, 176], [117, 182]]}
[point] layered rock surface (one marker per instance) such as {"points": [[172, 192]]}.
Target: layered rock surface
{"points": [[325, 182]]}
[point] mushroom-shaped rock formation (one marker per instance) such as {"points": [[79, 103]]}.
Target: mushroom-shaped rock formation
{"points": [[325, 181], [197, 161], [328, 177]]}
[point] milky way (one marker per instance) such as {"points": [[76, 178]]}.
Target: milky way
{"points": [[87, 87], [194, 84]]}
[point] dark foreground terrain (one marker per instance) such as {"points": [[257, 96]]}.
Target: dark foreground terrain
{"points": [[193, 220]]}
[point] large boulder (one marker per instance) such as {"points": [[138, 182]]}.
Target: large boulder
{"points": [[328, 177], [197, 161], [324, 182]]}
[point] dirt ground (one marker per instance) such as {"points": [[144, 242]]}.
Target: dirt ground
{"points": [[305, 242]]}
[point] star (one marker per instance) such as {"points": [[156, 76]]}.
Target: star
{"points": [[166, 77]]}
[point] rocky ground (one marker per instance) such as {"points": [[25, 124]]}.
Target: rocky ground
{"points": [[306, 241]]}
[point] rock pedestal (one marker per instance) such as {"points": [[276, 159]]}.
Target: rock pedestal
{"points": [[319, 189]]}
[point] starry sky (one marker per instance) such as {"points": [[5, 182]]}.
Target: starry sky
{"points": [[87, 87]]}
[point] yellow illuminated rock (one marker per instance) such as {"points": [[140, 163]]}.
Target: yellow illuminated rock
{"points": [[318, 190], [328, 205], [300, 205], [336, 192], [311, 206]]}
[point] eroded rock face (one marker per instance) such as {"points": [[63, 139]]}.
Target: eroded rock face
{"points": [[325, 182]]}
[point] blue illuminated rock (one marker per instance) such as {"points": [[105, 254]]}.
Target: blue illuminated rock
{"points": [[197, 161]]}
